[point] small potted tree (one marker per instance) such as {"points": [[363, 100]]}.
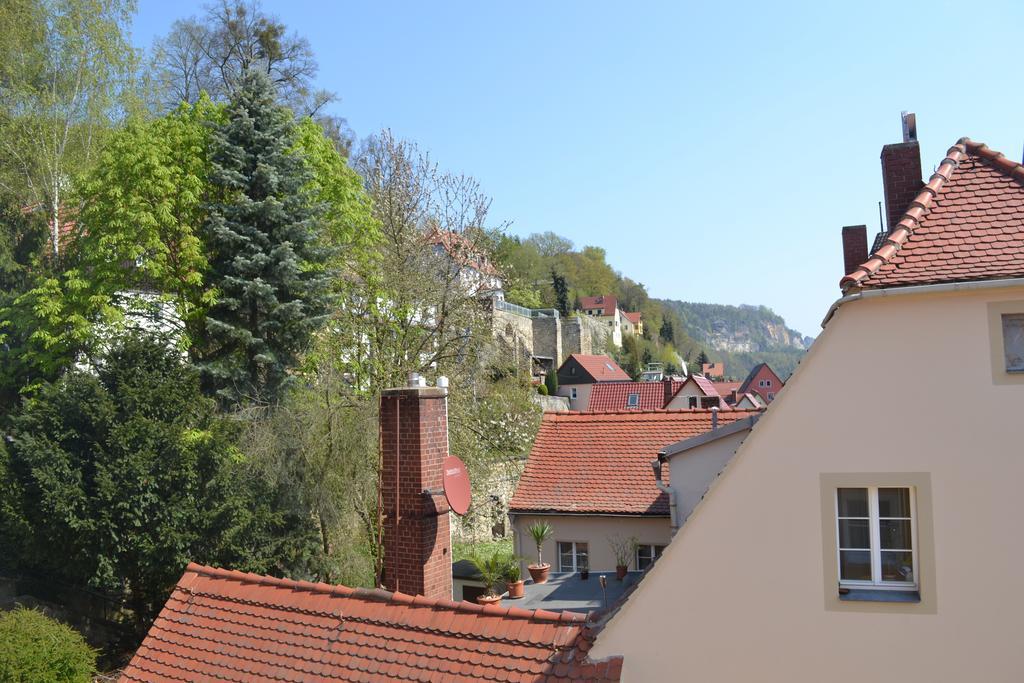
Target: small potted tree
{"points": [[490, 569], [624, 550], [513, 577], [540, 531]]}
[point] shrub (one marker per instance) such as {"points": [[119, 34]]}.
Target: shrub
{"points": [[37, 649], [542, 390]]}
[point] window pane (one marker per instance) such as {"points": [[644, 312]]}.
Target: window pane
{"points": [[855, 565], [854, 533], [1013, 341], [894, 502], [895, 534], [853, 502], [897, 566], [565, 557]]}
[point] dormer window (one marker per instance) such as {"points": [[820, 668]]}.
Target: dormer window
{"points": [[633, 400]]}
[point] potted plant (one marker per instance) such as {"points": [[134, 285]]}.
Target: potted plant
{"points": [[490, 569], [513, 577], [624, 550], [540, 531], [584, 567]]}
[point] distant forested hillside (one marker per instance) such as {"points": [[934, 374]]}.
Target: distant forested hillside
{"points": [[742, 336], [546, 270]]}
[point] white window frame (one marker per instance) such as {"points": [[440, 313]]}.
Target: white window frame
{"points": [[633, 400], [768, 383], [771, 395], [876, 582], [575, 554], [655, 550], [572, 393]]}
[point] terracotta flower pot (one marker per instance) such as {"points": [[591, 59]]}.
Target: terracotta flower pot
{"points": [[539, 572], [516, 589], [488, 599], [620, 571]]}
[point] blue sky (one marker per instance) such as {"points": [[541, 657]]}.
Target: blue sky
{"points": [[714, 150]]}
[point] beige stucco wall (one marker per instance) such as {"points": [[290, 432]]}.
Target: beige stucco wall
{"points": [[893, 384], [681, 399], [582, 395], [593, 530], [695, 469]]}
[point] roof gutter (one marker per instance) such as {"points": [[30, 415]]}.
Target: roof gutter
{"points": [[922, 289]]}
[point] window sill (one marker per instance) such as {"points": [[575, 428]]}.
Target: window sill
{"points": [[871, 595]]}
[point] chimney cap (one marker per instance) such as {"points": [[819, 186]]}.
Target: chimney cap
{"points": [[909, 126], [417, 380]]}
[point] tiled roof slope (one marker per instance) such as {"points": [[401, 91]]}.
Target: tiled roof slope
{"points": [[706, 385], [966, 224], [607, 304], [724, 389], [607, 396], [601, 462], [601, 368], [633, 317], [222, 625]]}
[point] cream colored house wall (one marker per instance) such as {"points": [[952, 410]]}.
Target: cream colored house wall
{"points": [[593, 530], [742, 592], [694, 470], [582, 400], [681, 399]]}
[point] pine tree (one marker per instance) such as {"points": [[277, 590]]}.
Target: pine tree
{"points": [[561, 292], [268, 265]]}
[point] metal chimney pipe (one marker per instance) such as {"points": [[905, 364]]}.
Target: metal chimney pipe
{"points": [[714, 418]]}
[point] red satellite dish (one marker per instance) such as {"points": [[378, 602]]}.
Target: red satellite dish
{"points": [[456, 485]]}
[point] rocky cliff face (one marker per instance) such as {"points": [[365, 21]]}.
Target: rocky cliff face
{"points": [[739, 329]]}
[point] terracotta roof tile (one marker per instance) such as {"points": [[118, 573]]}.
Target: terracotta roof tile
{"points": [[605, 396], [231, 626], [607, 304], [601, 368], [967, 223], [601, 462], [633, 317]]}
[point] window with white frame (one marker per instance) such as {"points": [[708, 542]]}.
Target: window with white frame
{"points": [[771, 396], [572, 556], [761, 383], [646, 554], [1013, 341], [877, 538], [633, 400], [572, 393]]}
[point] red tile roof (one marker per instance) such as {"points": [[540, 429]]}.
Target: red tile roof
{"points": [[634, 317], [605, 396], [706, 385], [607, 304], [461, 249], [713, 369], [601, 462], [231, 626], [725, 389], [601, 368], [966, 224]]}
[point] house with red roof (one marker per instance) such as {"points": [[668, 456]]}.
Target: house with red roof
{"points": [[589, 476], [606, 309], [762, 381], [226, 625], [713, 371], [694, 392], [580, 372], [727, 390], [844, 525]]}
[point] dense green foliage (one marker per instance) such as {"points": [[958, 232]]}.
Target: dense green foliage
{"points": [[266, 261], [37, 649], [116, 479]]}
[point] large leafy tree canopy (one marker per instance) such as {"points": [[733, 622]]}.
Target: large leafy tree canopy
{"points": [[145, 204], [117, 479]]}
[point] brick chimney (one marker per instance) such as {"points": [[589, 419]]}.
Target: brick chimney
{"points": [[901, 172], [414, 444], [666, 384], [855, 247]]}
